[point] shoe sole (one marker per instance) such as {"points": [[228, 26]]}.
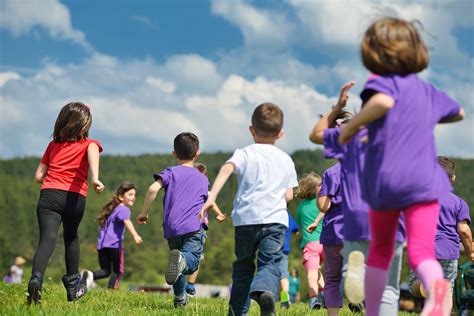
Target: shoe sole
{"points": [[440, 292], [354, 281], [172, 270], [83, 286], [34, 295], [316, 306], [267, 304]]}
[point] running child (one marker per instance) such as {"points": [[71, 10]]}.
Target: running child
{"points": [[306, 214], [266, 176], [400, 111], [284, 275], [453, 227], [113, 219], [63, 172], [355, 210], [185, 194]]}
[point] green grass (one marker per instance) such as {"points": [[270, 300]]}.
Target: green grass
{"points": [[118, 302]]}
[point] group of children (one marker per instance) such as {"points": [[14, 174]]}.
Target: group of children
{"points": [[387, 185]]}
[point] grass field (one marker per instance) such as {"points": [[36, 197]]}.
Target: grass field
{"points": [[107, 302]]}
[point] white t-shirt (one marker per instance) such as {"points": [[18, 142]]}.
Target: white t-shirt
{"points": [[264, 173], [17, 274]]}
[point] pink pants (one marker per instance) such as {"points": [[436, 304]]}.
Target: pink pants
{"points": [[420, 220]]}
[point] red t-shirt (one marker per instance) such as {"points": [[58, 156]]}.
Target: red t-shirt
{"points": [[68, 166]]}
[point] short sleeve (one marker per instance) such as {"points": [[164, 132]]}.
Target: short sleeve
{"points": [[292, 225], [164, 175], [379, 84], [463, 214], [330, 184], [445, 107], [238, 159], [332, 148], [97, 143], [293, 178], [123, 213], [45, 159]]}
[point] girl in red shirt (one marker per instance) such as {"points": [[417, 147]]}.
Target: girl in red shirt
{"points": [[63, 172]]}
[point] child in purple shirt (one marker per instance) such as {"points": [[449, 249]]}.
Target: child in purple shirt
{"points": [[401, 111], [185, 194], [453, 226], [355, 210], [113, 218]]}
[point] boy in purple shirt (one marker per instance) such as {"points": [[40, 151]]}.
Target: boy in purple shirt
{"points": [[185, 194], [355, 210], [453, 226]]}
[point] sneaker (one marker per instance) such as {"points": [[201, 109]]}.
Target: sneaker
{"points": [[265, 301], [190, 289], [176, 266], [89, 279], [356, 308], [418, 289], [354, 280], [35, 287], [181, 301], [315, 303], [285, 299], [437, 303]]}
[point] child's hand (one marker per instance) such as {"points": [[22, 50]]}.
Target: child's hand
{"points": [[347, 132], [138, 239], [341, 103], [204, 211], [221, 217], [311, 228], [142, 219], [98, 186]]}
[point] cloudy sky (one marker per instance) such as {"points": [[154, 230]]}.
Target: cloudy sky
{"points": [[151, 69]]}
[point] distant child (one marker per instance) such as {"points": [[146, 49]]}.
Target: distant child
{"points": [[284, 281], [220, 217], [306, 214], [453, 227], [294, 290], [15, 273], [266, 176], [63, 172], [355, 210], [185, 194], [400, 111], [113, 219]]}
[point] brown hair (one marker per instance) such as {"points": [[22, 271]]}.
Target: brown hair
{"points": [[308, 186], [112, 204], [267, 120], [186, 146], [393, 46], [448, 165], [73, 123]]}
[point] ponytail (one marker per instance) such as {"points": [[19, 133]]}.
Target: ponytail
{"points": [[108, 208]]}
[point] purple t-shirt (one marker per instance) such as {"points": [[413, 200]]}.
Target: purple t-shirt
{"points": [[354, 208], [185, 194], [453, 210], [401, 168], [111, 235], [333, 222]]}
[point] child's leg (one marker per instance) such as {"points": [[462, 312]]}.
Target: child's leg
{"points": [[118, 267], [383, 226], [49, 222], [284, 282], [312, 255], [105, 263], [391, 294], [333, 266]]}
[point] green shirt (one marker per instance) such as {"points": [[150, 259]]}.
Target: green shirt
{"points": [[306, 213]]}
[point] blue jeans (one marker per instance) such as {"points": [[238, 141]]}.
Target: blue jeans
{"points": [[268, 240], [191, 246]]}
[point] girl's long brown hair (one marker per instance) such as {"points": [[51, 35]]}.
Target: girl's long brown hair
{"points": [[73, 123], [112, 204]]}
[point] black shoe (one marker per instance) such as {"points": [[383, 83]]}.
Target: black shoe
{"points": [[76, 285], [35, 287], [181, 301], [265, 301], [356, 308]]}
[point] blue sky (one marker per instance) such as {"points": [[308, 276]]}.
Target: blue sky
{"points": [[151, 69]]}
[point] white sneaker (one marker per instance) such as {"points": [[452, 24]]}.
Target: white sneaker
{"points": [[354, 281], [90, 284]]}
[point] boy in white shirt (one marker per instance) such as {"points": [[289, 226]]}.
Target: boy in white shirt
{"points": [[266, 176]]}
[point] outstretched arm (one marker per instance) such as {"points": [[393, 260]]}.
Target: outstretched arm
{"points": [[128, 223], [222, 176], [149, 198], [219, 215], [374, 108], [466, 238], [93, 158], [316, 135]]}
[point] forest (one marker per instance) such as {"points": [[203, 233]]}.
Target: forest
{"points": [[144, 264]]}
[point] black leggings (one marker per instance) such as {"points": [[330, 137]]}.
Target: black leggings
{"points": [[110, 257], [54, 207]]}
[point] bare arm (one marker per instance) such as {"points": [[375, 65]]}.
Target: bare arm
{"points": [[316, 135], [311, 228], [466, 238], [324, 203], [289, 195], [374, 108], [41, 172], [128, 223], [219, 215], [149, 198], [93, 158], [224, 174]]}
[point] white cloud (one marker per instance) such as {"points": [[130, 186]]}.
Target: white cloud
{"points": [[21, 17], [7, 76]]}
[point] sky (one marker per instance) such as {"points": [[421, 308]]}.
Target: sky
{"points": [[152, 69]]}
